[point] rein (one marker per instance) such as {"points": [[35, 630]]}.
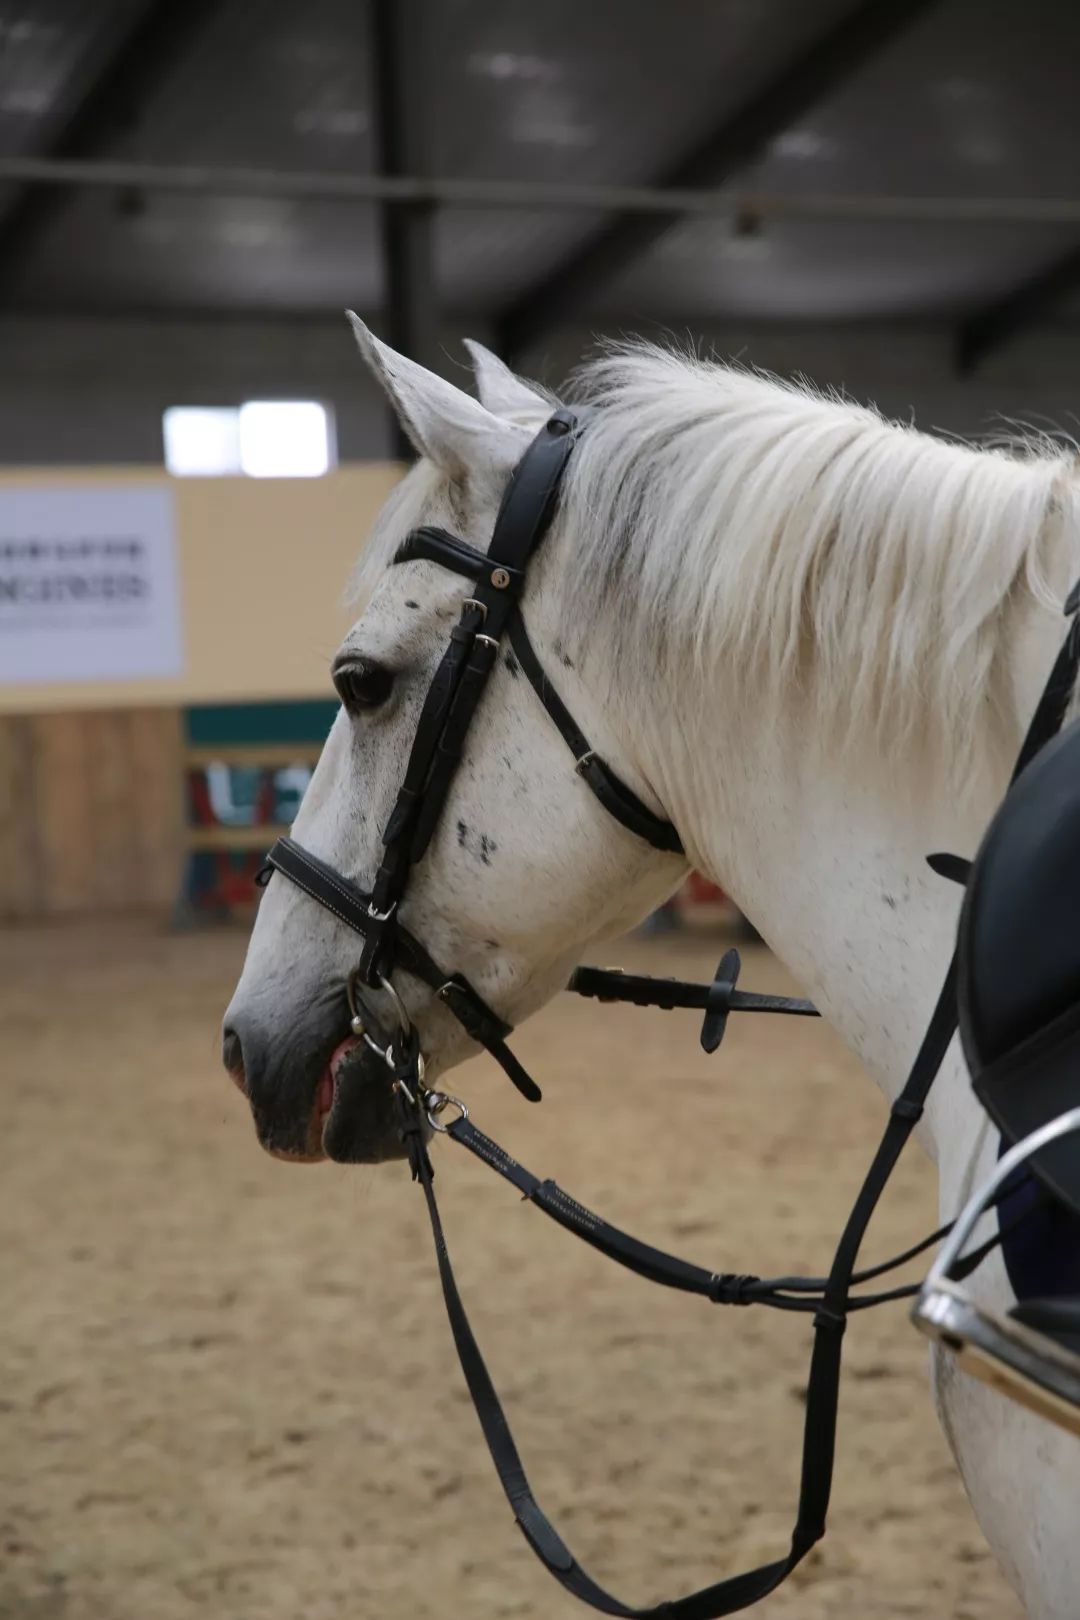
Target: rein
{"points": [[491, 612]]}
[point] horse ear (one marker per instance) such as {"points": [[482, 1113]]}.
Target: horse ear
{"points": [[444, 423], [502, 392]]}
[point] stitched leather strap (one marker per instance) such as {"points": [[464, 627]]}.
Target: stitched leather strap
{"points": [[510, 548], [617, 799], [353, 907], [523, 519], [717, 999], [830, 1313], [449, 551], [1053, 705]]}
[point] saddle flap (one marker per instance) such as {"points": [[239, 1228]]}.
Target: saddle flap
{"points": [[1019, 959]]}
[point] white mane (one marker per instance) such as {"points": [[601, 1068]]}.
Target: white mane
{"points": [[792, 543]]}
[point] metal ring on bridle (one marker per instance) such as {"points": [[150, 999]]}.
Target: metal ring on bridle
{"points": [[385, 1052], [434, 1104], [358, 1017], [399, 1006]]}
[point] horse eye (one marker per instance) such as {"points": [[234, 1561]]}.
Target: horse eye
{"points": [[363, 686]]}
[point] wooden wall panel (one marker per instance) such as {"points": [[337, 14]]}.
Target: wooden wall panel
{"points": [[112, 803], [20, 852], [61, 772], [157, 799], [90, 812]]}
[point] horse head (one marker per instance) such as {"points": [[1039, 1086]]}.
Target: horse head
{"points": [[524, 866]]}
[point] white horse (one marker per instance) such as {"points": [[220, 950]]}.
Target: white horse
{"points": [[809, 637]]}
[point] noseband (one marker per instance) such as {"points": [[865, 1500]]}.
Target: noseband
{"points": [[490, 614]]}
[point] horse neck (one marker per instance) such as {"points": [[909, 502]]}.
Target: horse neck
{"points": [[831, 868]]}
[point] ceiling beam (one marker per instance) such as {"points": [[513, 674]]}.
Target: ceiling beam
{"points": [[740, 138], [345, 186], [407, 227], [133, 66], [997, 323]]}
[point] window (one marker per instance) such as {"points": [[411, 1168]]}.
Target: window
{"points": [[201, 441], [264, 438]]}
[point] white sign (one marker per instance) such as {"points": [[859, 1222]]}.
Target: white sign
{"points": [[88, 584]]}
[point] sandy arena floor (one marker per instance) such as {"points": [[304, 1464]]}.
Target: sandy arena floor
{"points": [[228, 1386]]}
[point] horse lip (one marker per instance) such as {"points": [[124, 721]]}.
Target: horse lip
{"points": [[286, 1156], [326, 1092], [361, 1126]]}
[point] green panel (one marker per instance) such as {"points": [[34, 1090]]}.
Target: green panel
{"points": [[306, 721]]}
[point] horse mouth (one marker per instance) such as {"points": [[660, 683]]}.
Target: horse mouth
{"points": [[326, 1090], [354, 1118]]}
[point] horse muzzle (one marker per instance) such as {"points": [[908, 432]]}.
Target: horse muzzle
{"points": [[316, 1093]]}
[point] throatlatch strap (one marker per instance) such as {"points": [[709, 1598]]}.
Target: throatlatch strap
{"points": [[617, 799]]}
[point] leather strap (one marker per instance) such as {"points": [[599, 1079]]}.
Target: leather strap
{"points": [[1053, 705], [829, 1309], [523, 519], [617, 799], [656, 1265], [716, 1000], [435, 545], [516, 535], [353, 907], [830, 1314]]}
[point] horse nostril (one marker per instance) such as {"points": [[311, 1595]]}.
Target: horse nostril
{"points": [[232, 1055]]}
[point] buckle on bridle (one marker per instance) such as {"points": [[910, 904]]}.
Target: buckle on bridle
{"points": [[472, 601], [585, 761]]}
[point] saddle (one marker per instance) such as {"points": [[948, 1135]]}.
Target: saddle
{"points": [[1018, 1004]]}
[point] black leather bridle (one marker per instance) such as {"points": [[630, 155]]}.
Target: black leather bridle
{"points": [[489, 614]]}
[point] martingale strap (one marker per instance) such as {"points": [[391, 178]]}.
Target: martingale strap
{"points": [[657, 1266], [830, 1310]]}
